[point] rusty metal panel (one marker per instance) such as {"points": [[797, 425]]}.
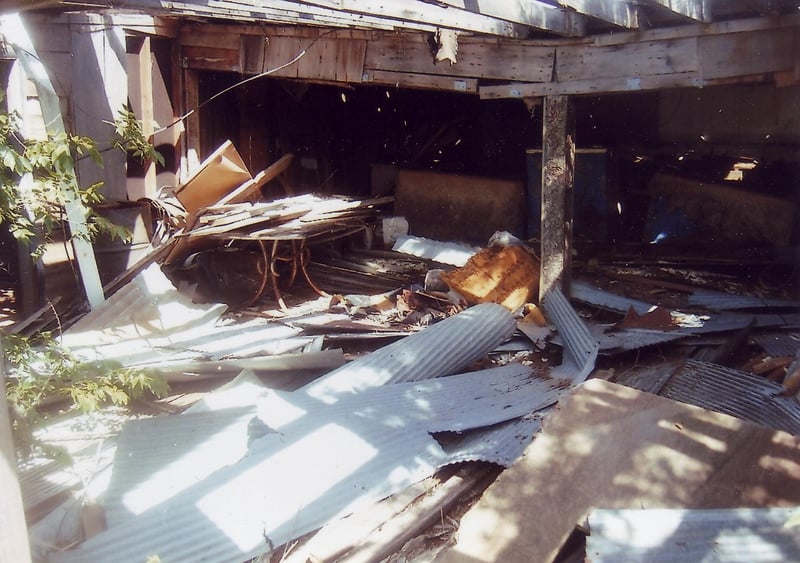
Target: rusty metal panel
{"points": [[778, 344], [735, 393]]}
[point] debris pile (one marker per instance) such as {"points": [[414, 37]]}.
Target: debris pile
{"points": [[366, 410]]}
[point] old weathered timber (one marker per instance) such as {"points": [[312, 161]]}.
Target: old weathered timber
{"points": [[558, 172]]}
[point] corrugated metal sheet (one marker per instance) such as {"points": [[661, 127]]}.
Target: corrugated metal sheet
{"points": [[158, 458], [688, 323], [676, 535], [501, 443], [442, 349], [316, 462], [582, 291], [719, 301], [149, 324], [442, 252], [778, 344], [149, 305], [579, 343], [736, 393]]}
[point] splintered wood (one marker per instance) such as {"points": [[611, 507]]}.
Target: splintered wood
{"points": [[299, 217], [506, 275]]}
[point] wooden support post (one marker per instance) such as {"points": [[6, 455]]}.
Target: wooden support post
{"points": [[558, 174], [191, 157], [17, 35], [147, 117], [13, 530]]}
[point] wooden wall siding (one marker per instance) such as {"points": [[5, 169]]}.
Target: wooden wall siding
{"points": [[476, 59], [709, 58], [336, 60], [690, 56], [651, 58], [740, 54], [421, 81]]}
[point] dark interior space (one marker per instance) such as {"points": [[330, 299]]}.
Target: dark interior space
{"points": [[340, 134]]}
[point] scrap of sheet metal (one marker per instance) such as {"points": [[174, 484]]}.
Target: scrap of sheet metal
{"points": [[373, 443], [442, 349], [150, 324], [735, 393], [581, 346], [501, 443], [442, 252], [719, 301], [661, 535], [687, 323], [778, 344]]}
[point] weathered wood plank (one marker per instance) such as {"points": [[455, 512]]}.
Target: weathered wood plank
{"points": [[612, 446], [477, 60], [741, 54], [421, 81], [634, 60], [558, 182], [583, 87], [209, 37], [209, 58]]}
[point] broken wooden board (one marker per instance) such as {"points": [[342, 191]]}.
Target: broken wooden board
{"points": [[220, 173], [608, 446]]}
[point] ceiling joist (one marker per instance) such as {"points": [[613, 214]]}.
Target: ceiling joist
{"points": [[618, 12], [530, 13], [430, 14], [698, 10]]}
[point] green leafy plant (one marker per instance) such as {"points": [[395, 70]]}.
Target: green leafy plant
{"points": [[131, 138], [39, 371], [37, 177]]}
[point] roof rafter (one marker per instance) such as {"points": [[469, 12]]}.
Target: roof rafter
{"points": [[699, 10], [527, 12], [423, 12], [618, 12]]}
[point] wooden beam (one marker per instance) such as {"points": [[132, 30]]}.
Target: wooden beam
{"points": [[190, 160], [145, 69], [558, 178], [698, 10], [476, 59], [527, 12], [618, 12], [422, 81], [408, 11], [16, 34]]}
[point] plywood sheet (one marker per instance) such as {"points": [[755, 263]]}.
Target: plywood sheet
{"points": [[609, 446], [453, 207], [220, 173]]}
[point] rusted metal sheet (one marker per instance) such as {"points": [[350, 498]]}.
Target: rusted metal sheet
{"points": [[778, 344], [735, 393]]}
